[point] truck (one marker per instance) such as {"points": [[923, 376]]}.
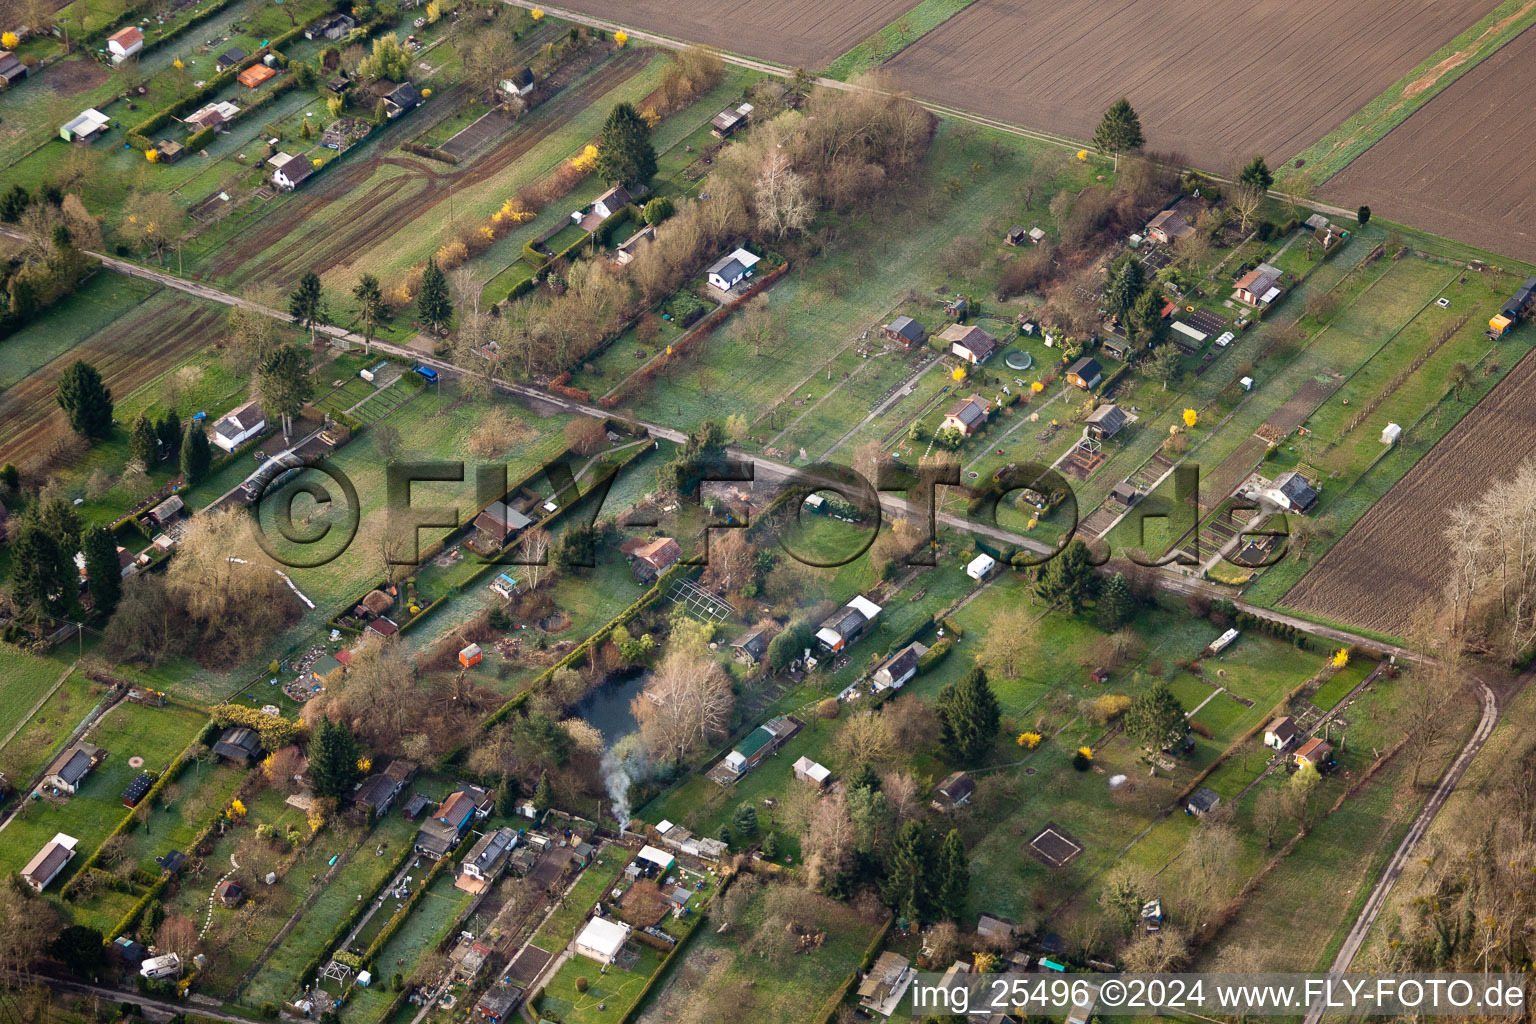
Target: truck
{"points": [[1512, 312], [167, 966]]}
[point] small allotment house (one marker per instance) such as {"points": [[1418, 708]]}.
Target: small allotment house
{"points": [[847, 624], [760, 742], [730, 270], [124, 43], [602, 940], [955, 791], [970, 343], [85, 126], [1281, 733], [239, 426], [899, 668], [46, 864], [1085, 373], [1259, 287], [968, 416], [905, 332]]}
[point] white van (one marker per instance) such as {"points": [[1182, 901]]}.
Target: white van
{"points": [[167, 966]]}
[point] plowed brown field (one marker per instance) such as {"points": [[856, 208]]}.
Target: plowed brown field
{"points": [[796, 33], [1391, 566], [130, 352], [1214, 82], [1461, 165]]}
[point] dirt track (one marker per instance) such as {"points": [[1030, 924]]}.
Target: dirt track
{"points": [[1391, 565], [795, 33], [130, 352], [1212, 82], [1461, 165], [314, 237]]}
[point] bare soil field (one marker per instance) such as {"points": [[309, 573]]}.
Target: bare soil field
{"points": [[1455, 167], [130, 352], [795, 33], [1212, 83], [1388, 569]]}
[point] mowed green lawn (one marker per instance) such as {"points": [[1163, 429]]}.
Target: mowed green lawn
{"points": [[129, 730]]}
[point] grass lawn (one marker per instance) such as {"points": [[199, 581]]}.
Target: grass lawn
{"points": [[28, 679], [429, 924], [39, 738], [727, 967], [614, 990]]}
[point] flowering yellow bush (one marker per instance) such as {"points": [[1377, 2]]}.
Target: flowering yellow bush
{"points": [[621, 37], [236, 808], [10, 39], [1029, 740], [586, 159], [1341, 658], [512, 212], [363, 764], [452, 254], [152, 155], [1037, 387], [1190, 416], [1086, 752], [536, 13]]}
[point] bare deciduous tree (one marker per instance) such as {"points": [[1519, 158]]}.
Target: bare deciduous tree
{"points": [[688, 703]]}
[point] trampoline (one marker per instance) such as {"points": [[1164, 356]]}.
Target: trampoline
{"points": [[1019, 359]]}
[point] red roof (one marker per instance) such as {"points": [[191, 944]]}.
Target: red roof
{"points": [[126, 37]]}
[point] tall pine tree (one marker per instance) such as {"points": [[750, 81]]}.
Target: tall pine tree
{"points": [[86, 401], [145, 442], [953, 878], [543, 794], [1116, 605], [433, 303], [103, 571], [907, 871], [1119, 131], [333, 759], [1256, 174], [304, 302], [168, 430], [1156, 719], [196, 455], [41, 576], [1068, 578], [625, 155], [968, 717]]}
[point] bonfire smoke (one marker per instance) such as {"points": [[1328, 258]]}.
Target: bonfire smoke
{"points": [[624, 764]]}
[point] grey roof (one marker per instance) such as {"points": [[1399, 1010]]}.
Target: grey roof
{"points": [[754, 643], [727, 267], [1295, 487], [970, 411], [232, 56], [957, 786], [376, 790], [74, 767], [404, 96], [1109, 418], [845, 621], [901, 663], [491, 848], [1204, 798], [1086, 367], [522, 78], [238, 742], [498, 516], [906, 327], [297, 169], [498, 1001]]}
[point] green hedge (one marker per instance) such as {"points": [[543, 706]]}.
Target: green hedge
{"points": [[522, 287], [138, 136], [398, 918], [935, 654], [353, 915], [128, 821]]}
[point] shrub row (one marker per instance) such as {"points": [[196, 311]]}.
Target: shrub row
{"points": [[935, 654], [138, 136], [128, 821], [430, 152], [350, 919], [398, 918]]}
